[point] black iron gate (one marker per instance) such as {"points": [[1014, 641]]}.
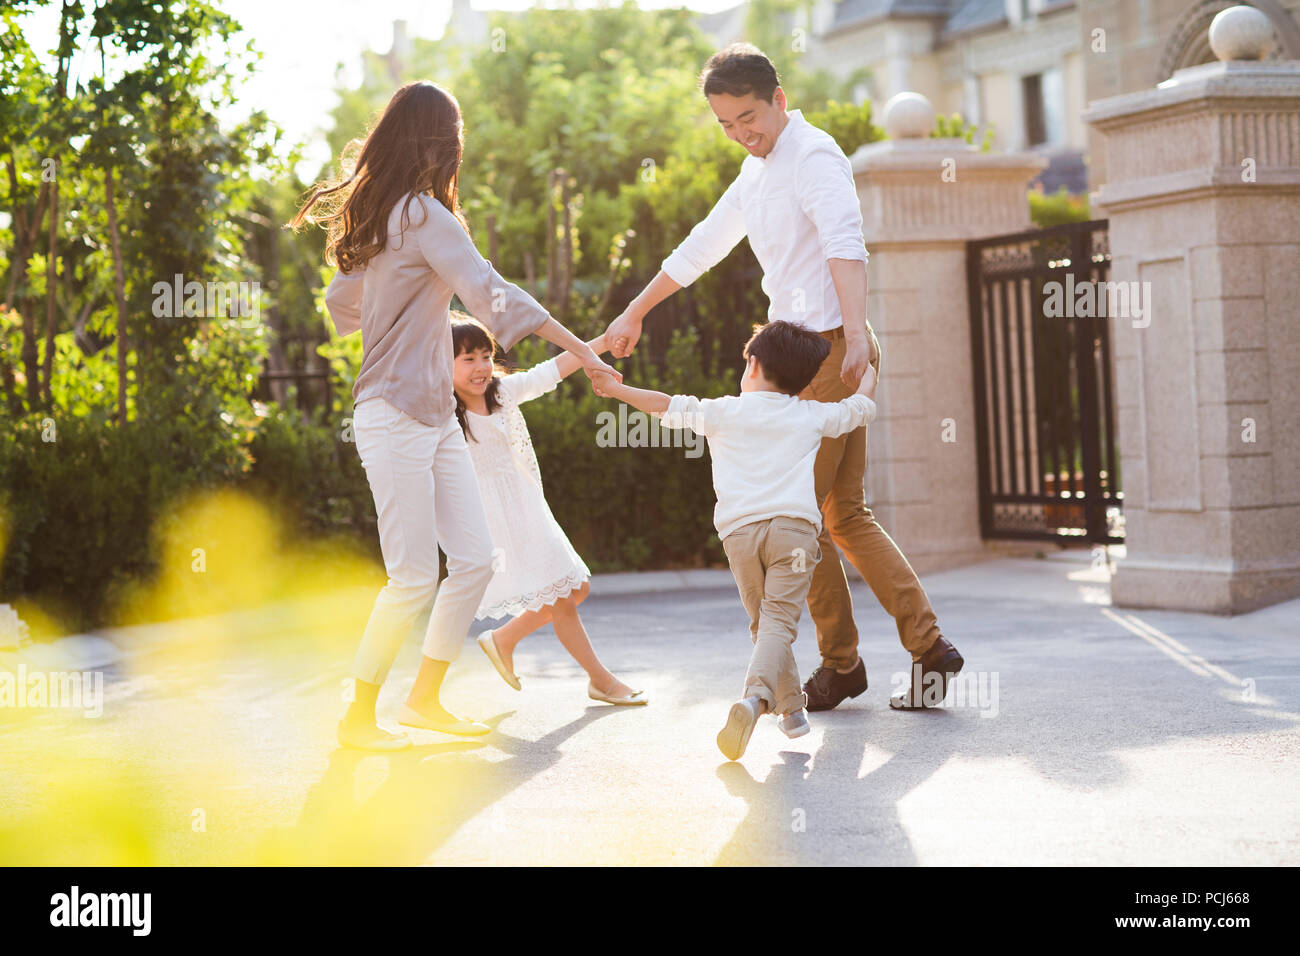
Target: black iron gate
{"points": [[1045, 419]]}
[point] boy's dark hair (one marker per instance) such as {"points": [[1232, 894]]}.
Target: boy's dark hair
{"points": [[789, 354], [738, 70]]}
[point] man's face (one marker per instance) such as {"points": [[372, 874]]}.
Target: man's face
{"points": [[750, 120]]}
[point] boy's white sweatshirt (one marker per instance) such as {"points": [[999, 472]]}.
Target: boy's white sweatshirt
{"points": [[763, 446]]}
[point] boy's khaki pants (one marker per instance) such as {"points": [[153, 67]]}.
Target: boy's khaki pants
{"points": [[848, 523], [773, 562]]}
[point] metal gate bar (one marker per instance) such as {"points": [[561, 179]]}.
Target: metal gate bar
{"points": [[1045, 420]]}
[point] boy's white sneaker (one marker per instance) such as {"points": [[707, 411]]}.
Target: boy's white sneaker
{"points": [[794, 724], [733, 738]]}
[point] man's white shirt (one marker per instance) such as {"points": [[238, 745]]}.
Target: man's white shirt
{"points": [[799, 207]]}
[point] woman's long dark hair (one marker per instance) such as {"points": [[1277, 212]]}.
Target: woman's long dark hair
{"points": [[468, 334], [415, 148]]}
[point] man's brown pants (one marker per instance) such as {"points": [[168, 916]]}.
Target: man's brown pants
{"points": [[848, 524]]}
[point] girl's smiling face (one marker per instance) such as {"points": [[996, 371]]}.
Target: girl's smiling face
{"points": [[472, 371]]}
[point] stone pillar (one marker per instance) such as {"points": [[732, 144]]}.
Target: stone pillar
{"points": [[1203, 197], [922, 199]]}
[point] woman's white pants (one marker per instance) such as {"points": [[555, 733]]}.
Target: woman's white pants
{"points": [[426, 495]]}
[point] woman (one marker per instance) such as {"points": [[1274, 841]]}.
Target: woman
{"points": [[402, 248]]}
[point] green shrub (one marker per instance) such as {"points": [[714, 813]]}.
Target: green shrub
{"points": [[312, 475], [626, 507], [1054, 209], [955, 126], [82, 499]]}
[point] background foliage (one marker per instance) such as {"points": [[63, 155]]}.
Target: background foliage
{"points": [[589, 155]]}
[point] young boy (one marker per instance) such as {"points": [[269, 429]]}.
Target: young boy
{"points": [[763, 443]]}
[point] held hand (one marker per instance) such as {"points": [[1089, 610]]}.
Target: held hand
{"points": [[601, 383], [623, 333], [593, 366], [867, 386], [875, 349], [856, 361]]}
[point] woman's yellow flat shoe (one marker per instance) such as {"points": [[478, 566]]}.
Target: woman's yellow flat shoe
{"points": [[410, 717]]}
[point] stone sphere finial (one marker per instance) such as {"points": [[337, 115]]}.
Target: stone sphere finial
{"points": [[1241, 33], [908, 115]]}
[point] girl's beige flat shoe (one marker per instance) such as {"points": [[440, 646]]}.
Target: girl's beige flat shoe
{"points": [[631, 700], [489, 647]]}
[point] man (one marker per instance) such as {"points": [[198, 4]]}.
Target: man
{"points": [[795, 199]]}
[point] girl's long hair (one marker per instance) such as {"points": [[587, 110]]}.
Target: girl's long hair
{"points": [[468, 334], [415, 148]]}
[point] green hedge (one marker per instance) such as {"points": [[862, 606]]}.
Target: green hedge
{"points": [[83, 501], [82, 498], [626, 507], [312, 476]]}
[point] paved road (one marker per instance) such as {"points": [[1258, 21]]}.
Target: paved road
{"points": [[1086, 735]]}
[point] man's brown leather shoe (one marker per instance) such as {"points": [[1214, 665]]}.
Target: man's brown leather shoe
{"points": [[826, 687], [930, 676]]}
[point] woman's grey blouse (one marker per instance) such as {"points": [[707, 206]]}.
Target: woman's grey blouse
{"points": [[400, 302]]}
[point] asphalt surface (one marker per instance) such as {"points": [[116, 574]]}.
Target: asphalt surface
{"points": [[1080, 734]]}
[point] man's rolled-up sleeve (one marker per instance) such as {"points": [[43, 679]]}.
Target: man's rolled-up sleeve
{"points": [[829, 198]]}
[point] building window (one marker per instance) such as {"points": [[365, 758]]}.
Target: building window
{"points": [[1043, 96], [972, 99], [1031, 94], [1053, 87]]}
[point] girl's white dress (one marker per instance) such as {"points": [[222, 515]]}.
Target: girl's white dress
{"points": [[532, 560]]}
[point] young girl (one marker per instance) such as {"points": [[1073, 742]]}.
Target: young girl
{"points": [[402, 248], [538, 578]]}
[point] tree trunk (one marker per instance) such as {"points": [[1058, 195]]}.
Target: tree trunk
{"points": [[615, 259], [51, 292], [7, 379], [276, 356], [31, 355], [552, 253], [25, 233], [119, 293], [566, 246], [66, 48], [83, 340]]}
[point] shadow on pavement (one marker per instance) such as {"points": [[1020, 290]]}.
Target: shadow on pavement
{"points": [[397, 809], [816, 809]]}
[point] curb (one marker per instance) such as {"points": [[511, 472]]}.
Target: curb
{"points": [[108, 646], [652, 582]]}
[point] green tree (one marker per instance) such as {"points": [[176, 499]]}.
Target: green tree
{"points": [[119, 177]]}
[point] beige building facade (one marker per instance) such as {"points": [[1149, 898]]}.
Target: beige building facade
{"points": [[1025, 68]]}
